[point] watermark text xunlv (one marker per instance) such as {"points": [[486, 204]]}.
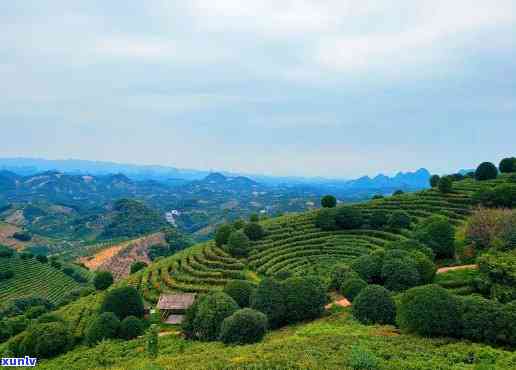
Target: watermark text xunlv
{"points": [[19, 361]]}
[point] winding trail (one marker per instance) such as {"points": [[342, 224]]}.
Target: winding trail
{"points": [[454, 268]]}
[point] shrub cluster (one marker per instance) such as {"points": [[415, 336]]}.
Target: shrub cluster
{"points": [[503, 195], [374, 305], [437, 233], [203, 320], [344, 218], [486, 171], [238, 244], [241, 291], [123, 302], [292, 300], [328, 201], [508, 165], [103, 280], [243, 327]]}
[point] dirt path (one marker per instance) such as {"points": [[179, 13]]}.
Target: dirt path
{"points": [[339, 301], [454, 268]]}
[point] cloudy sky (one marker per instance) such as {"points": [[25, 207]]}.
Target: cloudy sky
{"points": [[334, 88]]}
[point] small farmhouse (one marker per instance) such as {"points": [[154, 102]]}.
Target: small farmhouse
{"points": [[172, 307]]}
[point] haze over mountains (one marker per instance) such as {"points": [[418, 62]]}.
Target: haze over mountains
{"points": [[174, 176]]}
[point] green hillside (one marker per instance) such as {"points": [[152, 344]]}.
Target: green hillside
{"points": [[33, 278], [294, 243]]}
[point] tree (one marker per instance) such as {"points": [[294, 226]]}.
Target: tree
{"points": [[374, 305], [238, 244], [105, 326], [254, 217], [379, 219], [103, 280], [325, 219], [339, 274], [305, 298], [245, 326], [508, 165], [504, 196], [352, 287], [123, 302], [211, 312], [241, 291], [425, 267], [41, 258], [486, 171], [5, 251], [222, 234], [46, 340], [348, 218], [434, 181], [482, 319], [399, 220], [438, 233], [398, 192], [400, 274], [254, 231], [269, 298], [485, 226], [368, 267], [23, 236], [445, 184], [429, 310], [328, 201], [137, 266], [131, 327], [152, 341], [238, 224]]}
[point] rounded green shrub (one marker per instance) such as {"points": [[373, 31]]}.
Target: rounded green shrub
{"points": [[352, 287], [241, 291], [305, 298], [437, 233], [105, 326], [374, 305], [35, 312], [482, 319], [103, 280], [211, 312], [325, 219], [509, 319], [238, 244], [445, 184], [399, 220], [429, 310], [123, 302], [245, 326], [434, 180], [222, 234], [348, 218], [400, 274], [339, 274], [328, 201], [254, 231], [379, 219], [425, 267], [45, 340], [137, 266], [508, 165], [369, 268], [269, 298], [131, 327], [486, 171]]}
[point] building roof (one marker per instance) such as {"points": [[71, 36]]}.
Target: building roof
{"points": [[176, 301]]}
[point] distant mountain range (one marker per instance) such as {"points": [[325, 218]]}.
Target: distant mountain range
{"points": [[176, 176]]}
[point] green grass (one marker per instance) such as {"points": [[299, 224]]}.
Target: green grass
{"points": [[323, 344], [32, 277]]}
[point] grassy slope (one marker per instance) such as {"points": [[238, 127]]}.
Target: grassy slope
{"points": [[32, 277], [322, 344]]}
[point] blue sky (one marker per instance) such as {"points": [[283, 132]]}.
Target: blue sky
{"points": [[330, 88]]}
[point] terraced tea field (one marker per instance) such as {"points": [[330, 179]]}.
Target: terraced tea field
{"points": [[32, 277], [293, 243]]}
